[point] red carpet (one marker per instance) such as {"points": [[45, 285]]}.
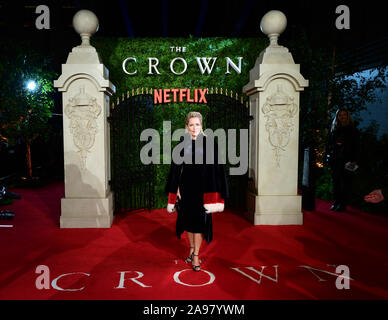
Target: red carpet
{"points": [[274, 262]]}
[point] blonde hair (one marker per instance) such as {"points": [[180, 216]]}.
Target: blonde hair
{"points": [[194, 114], [336, 123]]}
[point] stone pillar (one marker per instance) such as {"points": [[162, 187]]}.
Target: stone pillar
{"points": [[85, 87], [273, 90]]}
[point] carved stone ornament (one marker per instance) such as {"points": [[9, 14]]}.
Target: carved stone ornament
{"points": [[279, 110], [83, 111]]}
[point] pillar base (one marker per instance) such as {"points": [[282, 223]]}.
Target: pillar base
{"points": [[87, 212], [274, 210]]}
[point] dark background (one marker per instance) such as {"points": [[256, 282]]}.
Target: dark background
{"points": [[365, 41]]}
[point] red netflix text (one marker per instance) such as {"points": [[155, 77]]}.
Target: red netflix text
{"points": [[179, 95]]}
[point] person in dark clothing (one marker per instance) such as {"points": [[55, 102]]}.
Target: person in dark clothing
{"points": [[342, 154]]}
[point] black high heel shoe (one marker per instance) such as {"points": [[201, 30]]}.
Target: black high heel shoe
{"points": [[190, 257], [196, 268]]}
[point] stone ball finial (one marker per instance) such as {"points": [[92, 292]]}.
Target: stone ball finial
{"points": [[273, 23], [85, 22]]}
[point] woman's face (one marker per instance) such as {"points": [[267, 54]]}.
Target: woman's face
{"points": [[343, 117], [194, 127]]}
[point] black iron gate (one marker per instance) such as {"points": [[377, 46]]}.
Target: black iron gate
{"points": [[227, 111], [131, 180]]}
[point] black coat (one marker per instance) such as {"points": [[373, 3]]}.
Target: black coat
{"points": [[343, 146], [209, 183]]}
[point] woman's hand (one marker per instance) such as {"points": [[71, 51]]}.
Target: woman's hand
{"points": [[375, 196], [170, 206]]}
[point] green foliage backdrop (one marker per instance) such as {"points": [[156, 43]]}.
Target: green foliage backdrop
{"points": [[113, 51]]}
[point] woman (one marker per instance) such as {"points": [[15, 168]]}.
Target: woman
{"points": [[342, 153], [200, 189]]}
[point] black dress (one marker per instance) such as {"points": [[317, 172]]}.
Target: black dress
{"points": [[191, 212], [191, 206]]}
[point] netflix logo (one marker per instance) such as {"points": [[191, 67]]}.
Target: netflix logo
{"points": [[179, 95]]}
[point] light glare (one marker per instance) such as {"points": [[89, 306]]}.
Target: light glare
{"points": [[31, 85]]}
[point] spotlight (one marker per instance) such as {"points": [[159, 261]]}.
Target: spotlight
{"points": [[31, 85]]}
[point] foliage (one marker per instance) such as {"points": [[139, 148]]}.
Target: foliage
{"points": [[323, 184], [24, 114]]}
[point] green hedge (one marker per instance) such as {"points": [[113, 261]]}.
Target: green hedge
{"points": [[113, 51]]}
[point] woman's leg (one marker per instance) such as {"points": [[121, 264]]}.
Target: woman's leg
{"points": [[197, 245], [189, 258], [190, 235]]}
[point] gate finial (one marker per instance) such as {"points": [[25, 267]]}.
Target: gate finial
{"points": [[85, 22], [273, 24]]}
